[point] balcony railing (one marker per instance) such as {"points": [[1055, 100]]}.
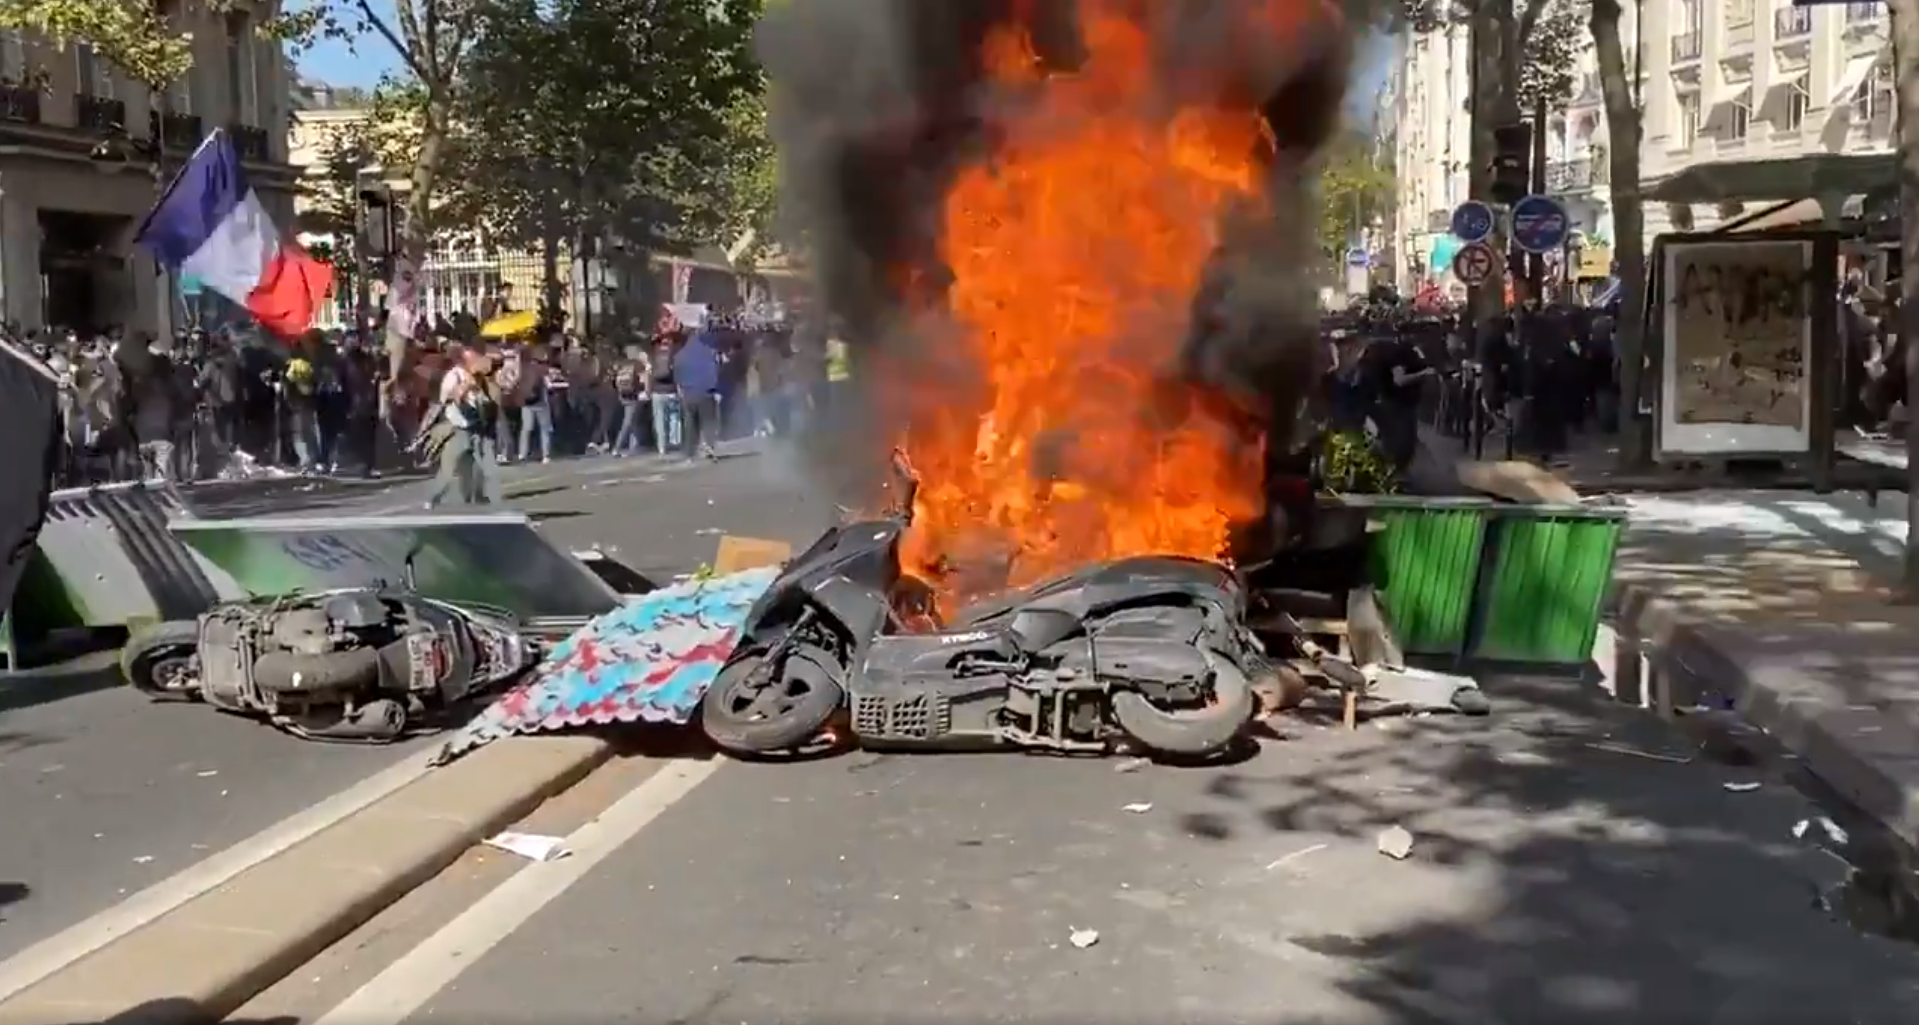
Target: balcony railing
{"points": [[20, 104], [175, 131], [250, 142], [1739, 37], [1685, 46], [1576, 175], [1856, 13], [99, 114], [1791, 22]]}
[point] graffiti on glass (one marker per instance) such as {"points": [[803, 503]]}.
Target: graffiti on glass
{"points": [[1738, 322], [327, 553]]}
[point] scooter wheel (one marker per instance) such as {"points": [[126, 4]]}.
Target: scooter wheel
{"points": [[789, 707], [1196, 731], [163, 660]]}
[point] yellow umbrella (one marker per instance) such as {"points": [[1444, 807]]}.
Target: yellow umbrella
{"points": [[510, 324]]}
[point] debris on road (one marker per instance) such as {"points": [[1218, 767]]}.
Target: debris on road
{"points": [[1395, 843], [1130, 765], [1638, 752], [1834, 833], [207, 773], [1741, 788], [143, 859], [1138, 807], [531, 846], [1526, 758], [1302, 852], [1083, 938]]}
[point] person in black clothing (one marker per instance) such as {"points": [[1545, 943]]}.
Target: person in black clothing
{"points": [[1396, 373]]}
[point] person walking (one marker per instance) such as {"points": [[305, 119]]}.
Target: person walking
{"points": [[460, 431], [629, 385], [696, 370]]}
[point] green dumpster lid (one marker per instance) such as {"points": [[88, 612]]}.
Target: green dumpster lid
{"points": [[1435, 503]]}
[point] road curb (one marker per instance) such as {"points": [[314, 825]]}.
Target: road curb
{"points": [[205, 959], [1867, 757]]}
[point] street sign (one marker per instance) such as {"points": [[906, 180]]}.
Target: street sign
{"points": [[1358, 258], [1472, 221], [1473, 264], [1540, 224]]}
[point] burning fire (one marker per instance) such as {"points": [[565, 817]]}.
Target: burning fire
{"points": [[1075, 251]]}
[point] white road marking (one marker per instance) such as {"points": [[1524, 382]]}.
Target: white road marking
{"points": [[408, 983], [56, 952]]}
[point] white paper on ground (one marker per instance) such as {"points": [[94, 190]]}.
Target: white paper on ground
{"points": [[531, 846]]}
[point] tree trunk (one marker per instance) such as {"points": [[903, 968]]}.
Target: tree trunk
{"points": [[1629, 243], [1483, 42], [415, 235]]}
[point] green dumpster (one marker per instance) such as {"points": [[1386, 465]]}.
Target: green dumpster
{"points": [[1547, 571], [1424, 565]]}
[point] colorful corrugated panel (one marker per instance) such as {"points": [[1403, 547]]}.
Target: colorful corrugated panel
{"points": [[649, 661]]}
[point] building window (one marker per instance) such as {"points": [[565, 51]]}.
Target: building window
{"points": [[1739, 119], [1876, 97], [1798, 104], [243, 86], [1739, 12], [1690, 19], [1688, 119], [92, 74]]}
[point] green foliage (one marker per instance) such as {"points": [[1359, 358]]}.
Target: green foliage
{"points": [[133, 35], [624, 116], [1355, 187], [1351, 464], [1551, 42]]}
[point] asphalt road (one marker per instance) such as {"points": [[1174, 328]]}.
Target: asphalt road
{"points": [[1572, 861], [105, 793], [1565, 867]]}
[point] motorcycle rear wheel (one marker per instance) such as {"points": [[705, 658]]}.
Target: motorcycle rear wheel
{"points": [[162, 660], [1196, 731], [783, 712]]}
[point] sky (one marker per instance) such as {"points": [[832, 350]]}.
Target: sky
{"points": [[366, 60]]}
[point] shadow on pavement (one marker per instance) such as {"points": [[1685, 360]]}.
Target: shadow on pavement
{"points": [[1573, 861], [180, 1011], [12, 893], [28, 688]]}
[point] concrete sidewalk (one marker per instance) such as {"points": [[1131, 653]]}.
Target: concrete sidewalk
{"points": [[1779, 605]]}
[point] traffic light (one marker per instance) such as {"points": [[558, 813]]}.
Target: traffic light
{"points": [[1512, 162]]}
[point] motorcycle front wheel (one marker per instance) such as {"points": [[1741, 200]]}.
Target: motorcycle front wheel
{"points": [[163, 660], [1195, 731], [750, 712]]}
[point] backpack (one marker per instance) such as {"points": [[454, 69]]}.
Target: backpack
{"points": [[626, 381]]}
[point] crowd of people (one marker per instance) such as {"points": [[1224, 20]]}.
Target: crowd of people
{"points": [[204, 405]]}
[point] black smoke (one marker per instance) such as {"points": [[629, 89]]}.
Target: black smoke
{"points": [[876, 103]]}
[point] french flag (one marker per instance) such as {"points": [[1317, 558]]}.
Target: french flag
{"points": [[210, 224]]}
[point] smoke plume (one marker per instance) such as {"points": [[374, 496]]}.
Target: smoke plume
{"points": [[877, 103]]}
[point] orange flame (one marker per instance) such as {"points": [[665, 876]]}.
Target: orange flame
{"points": [[1075, 253]]}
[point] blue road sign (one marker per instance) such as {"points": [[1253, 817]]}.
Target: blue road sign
{"points": [[1472, 221], [1358, 258], [1540, 224]]}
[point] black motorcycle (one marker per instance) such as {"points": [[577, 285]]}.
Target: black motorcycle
{"points": [[1150, 650], [368, 665]]}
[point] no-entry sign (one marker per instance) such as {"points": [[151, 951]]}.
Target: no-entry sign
{"points": [[1473, 264]]}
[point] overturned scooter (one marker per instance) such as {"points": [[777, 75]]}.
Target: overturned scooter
{"points": [[366, 665], [1150, 652]]}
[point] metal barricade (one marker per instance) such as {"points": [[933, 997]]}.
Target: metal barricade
{"points": [[105, 558]]}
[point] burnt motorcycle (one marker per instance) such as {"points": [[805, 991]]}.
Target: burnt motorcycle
{"points": [[366, 665], [1148, 652]]}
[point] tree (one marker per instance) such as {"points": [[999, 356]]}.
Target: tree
{"points": [[581, 118], [132, 34], [1355, 188], [1551, 43], [1616, 85], [749, 199]]}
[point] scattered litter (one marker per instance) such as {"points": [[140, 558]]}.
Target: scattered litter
{"points": [[1138, 807], [1130, 765], [1637, 752], [1083, 938], [1741, 788], [1298, 854], [143, 859], [531, 846], [709, 530], [1395, 843], [1832, 829], [1529, 758], [207, 773]]}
